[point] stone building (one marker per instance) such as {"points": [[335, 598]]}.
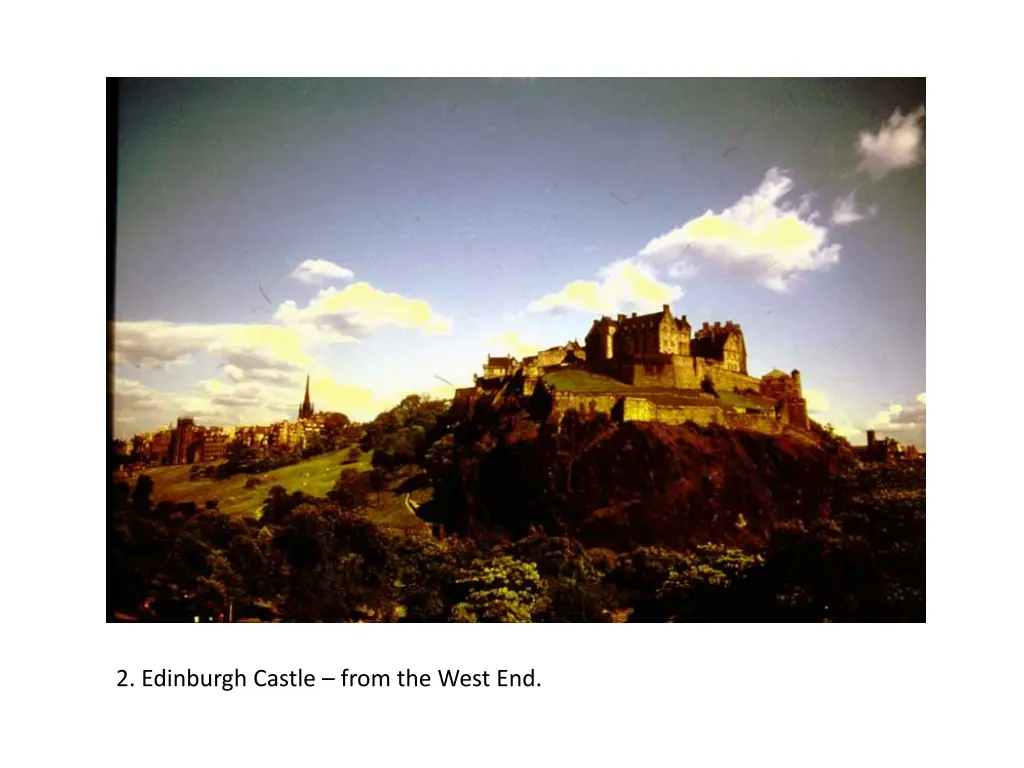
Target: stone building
{"points": [[657, 333], [285, 434], [160, 446], [215, 445], [883, 449], [723, 343], [787, 390], [252, 436], [186, 441], [496, 367]]}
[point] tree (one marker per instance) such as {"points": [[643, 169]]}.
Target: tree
{"points": [[339, 565], [138, 448], [500, 589], [350, 490], [141, 498]]}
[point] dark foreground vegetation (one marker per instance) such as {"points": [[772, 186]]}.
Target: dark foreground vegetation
{"points": [[540, 516]]}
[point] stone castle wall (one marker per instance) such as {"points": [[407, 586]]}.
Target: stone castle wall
{"points": [[681, 372], [755, 422], [641, 409], [585, 402]]}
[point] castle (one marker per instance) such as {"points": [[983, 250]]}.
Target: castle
{"points": [[654, 367]]}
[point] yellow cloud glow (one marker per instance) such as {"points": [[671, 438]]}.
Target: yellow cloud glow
{"points": [[624, 283], [360, 305], [511, 343]]}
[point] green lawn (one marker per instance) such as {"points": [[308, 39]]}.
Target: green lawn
{"points": [[314, 476], [579, 380]]}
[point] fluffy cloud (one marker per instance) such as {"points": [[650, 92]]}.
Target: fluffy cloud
{"points": [[899, 143], [819, 408], [320, 270], [901, 418], [624, 284], [848, 431], [158, 344], [817, 401], [233, 372], [904, 422], [761, 232], [845, 211], [511, 343], [133, 399], [359, 308]]}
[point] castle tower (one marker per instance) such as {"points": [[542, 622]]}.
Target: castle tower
{"points": [[306, 409]]}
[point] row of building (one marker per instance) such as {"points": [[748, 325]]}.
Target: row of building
{"points": [[189, 443]]}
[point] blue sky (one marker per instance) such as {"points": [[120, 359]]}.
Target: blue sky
{"points": [[439, 220]]}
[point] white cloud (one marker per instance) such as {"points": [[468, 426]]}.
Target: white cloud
{"points": [[158, 344], [133, 398], [623, 284], [905, 422], [361, 307], [511, 343], [898, 144], [820, 409], [320, 270], [761, 232], [817, 401], [233, 372], [848, 431], [682, 270], [885, 419], [844, 211]]}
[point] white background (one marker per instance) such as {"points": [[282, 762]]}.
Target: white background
{"points": [[944, 692]]}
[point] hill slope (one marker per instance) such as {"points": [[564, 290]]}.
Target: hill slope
{"points": [[314, 477]]}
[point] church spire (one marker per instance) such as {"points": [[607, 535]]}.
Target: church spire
{"points": [[306, 410]]}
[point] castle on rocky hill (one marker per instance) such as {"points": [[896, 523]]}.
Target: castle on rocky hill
{"points": [[655, 368]]}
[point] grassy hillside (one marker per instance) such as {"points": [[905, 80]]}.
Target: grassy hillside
{"points": [[580, 380], [314, 476]]}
